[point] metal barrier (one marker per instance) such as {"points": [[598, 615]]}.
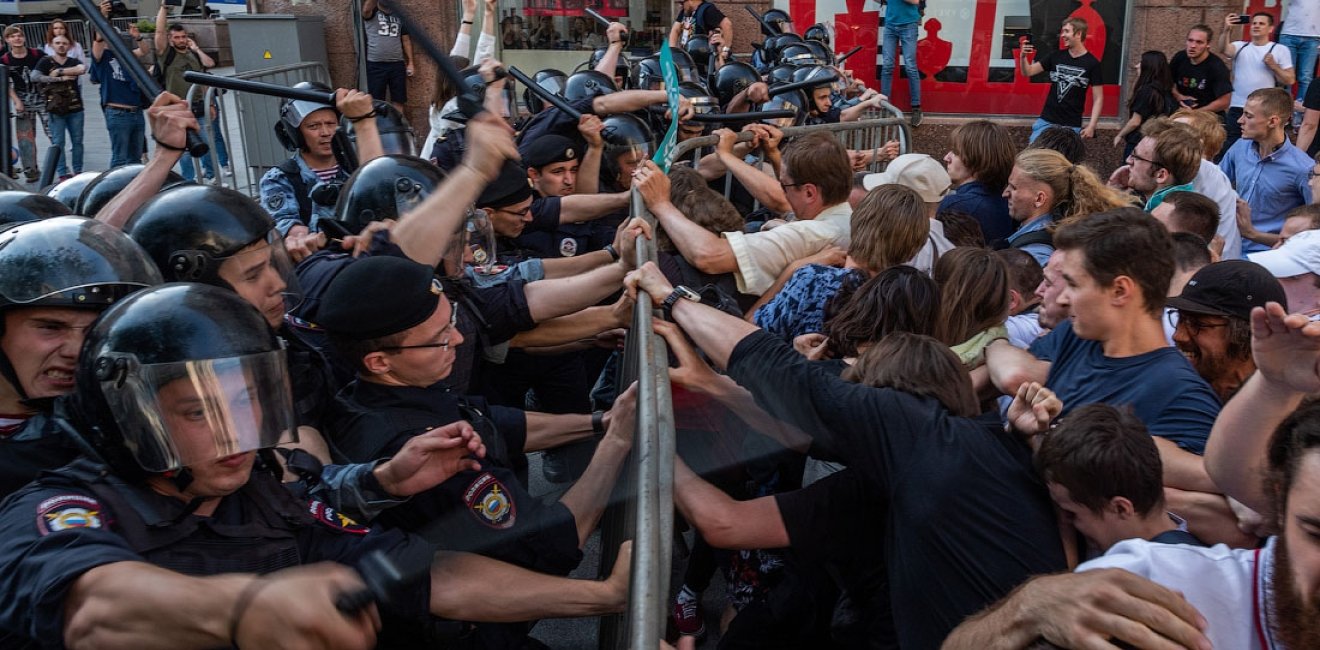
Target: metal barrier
{"points": [[35, 32]]}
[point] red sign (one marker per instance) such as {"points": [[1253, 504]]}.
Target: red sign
{"points": [[966, 52]]}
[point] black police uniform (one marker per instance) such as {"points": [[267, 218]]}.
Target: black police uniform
{"points": [[38, 445], [447, 152], [81, 517], [488, 511], [554, 121]]}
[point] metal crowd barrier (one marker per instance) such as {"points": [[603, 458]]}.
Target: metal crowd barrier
{"points": [[35, 32], [650, 516]]}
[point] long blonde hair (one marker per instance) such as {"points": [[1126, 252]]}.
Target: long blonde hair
{"points": [[1076, 189]]}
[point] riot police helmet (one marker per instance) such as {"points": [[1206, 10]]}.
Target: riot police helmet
{"points": [[385, 188], [110, 183], [550, 79], [17, 206], [588, 84], [68, 190]]}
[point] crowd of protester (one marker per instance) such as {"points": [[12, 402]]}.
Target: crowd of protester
{"points": [[998, 401]]}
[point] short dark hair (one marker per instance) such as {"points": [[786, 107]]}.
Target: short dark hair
{"points": [[1100, 452], [1063, 140], [1205, 29], [1273, 102], [961, 228], [1177, 148], [1024, 272], [1265, 14], [353, 350], [177, 27], [1193, 212], [1123, 241], [820, 159], [1190, 252]]}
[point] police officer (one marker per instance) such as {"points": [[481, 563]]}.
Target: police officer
{"points": [[402, 341], [56, 276], [184, 536], [302, 190]]}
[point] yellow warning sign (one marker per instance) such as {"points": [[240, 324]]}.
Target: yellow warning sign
{"points": [[266, 55]]}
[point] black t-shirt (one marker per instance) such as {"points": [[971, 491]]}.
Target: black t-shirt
{"points": [[20, 67], [1312, 102], [1070, 76], [1150, 102], [967, 518], [704, 20], [1205, 81]]}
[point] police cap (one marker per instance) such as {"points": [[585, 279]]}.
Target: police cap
{"points": [[549, 150], [379, 296], [511, 187]]}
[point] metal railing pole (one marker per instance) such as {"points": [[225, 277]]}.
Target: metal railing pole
{"points": [[6, 128]]}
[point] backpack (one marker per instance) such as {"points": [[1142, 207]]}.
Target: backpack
{"points": [[62, 97]]}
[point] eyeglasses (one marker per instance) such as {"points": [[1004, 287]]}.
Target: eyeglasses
{"points": [[521, 214], [1195, 324], [788, 185], [1312, 174], [443, 345], [1148, 161]]}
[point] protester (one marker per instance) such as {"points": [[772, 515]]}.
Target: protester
{"points": [[979, 161], [177, 53], [121, 101], [1201, 80], [1045, 190], [899, 30], [26, 98], [1152, 96], [1272, 175], [1210, 181]]}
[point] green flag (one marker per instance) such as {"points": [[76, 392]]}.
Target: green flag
{"points": [[670, 73]]}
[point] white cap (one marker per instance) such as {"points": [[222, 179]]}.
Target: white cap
{"points": [[915, 170], [1299, 255]]}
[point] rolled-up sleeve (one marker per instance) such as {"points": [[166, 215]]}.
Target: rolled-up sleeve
{"points": [[764, 255]]}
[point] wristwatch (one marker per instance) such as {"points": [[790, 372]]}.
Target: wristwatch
{"points": [[680, 293]]}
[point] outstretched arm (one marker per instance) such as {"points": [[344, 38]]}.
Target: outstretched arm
{"points": [[723, 521], [171, 119], [470, 587]]}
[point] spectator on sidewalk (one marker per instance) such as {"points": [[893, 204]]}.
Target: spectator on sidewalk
{"points": [[59, 73], [27, 100], [57, 27], [1200, 81], [1072, 71], [1257, 64], [902, 17], [177, 53], [121, 101], [389, 55]]}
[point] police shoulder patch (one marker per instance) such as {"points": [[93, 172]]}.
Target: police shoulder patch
{"points": [[275, 201], [568, 247], [334, 519], [67, 511], [490, 502]]}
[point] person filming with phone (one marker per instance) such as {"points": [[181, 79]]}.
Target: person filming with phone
{"points": [[1257, 63]]}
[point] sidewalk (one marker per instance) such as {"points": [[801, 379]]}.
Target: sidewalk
{"points": [[96, 142]]}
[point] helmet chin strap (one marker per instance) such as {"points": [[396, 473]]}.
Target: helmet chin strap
{"points": [[181, 478]]}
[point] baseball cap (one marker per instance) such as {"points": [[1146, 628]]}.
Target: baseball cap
{"points": [[915, 170], [1299, 255], [1230, 288]]}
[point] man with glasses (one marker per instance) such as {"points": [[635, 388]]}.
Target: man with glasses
{"points": [[1213, 326], [1270, 174], [402, 342], [1166, 160]]}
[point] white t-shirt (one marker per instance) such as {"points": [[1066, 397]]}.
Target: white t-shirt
{"points": [[1302, 18], [1223, 584], [1249, 71], [936, 244], [762, 256], [1211, 182]]}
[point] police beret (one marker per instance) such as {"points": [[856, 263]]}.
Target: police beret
{"points": [[379, 296], [549, 150], [510, 188]]}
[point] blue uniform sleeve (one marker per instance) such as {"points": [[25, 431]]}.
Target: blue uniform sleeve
{"points": [[278, 199]]}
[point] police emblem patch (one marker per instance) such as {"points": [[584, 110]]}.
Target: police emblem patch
{"points": [[68, 511], [489, 502], [334, 519], [275, 201], [568, 247]]}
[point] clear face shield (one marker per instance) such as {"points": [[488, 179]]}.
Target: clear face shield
{"points": [[188, 413]]}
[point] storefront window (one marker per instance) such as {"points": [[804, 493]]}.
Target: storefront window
{"points": [[564, 25]]}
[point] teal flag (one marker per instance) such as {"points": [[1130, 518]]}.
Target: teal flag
{"points": [[670, 73]]}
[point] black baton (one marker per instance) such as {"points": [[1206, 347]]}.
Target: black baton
{"points": [[549, 97], [850, 53], [803, 85], [469, 101], [260, 88], [741, 117]]}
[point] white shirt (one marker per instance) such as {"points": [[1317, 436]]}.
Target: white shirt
{"points": [[1024, 329], [439, 125], [936, 244], [1221, 583], [762, 256], [1302, 18], [1211, 181], [1250, 72]]}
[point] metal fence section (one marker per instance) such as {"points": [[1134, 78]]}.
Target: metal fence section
{"points": [[35, 32], [870, 134]]}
